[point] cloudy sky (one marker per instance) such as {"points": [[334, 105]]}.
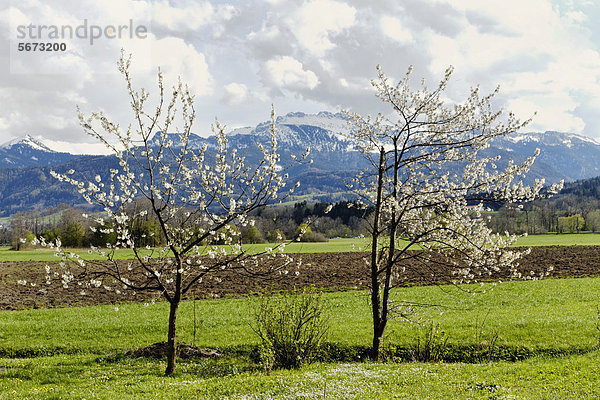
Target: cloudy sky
{"points": [[241, 57]]}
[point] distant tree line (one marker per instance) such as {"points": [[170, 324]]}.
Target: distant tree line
{"points": [[68, 224], [570, 212], [575, 209], [271, 224]]}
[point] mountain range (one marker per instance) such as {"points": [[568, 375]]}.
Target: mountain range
{"points": [[25, 163]]}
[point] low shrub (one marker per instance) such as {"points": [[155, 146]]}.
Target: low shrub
{"points": [[291, 326]]}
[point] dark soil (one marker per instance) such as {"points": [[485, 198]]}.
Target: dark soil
{"points": [[332, 271]]}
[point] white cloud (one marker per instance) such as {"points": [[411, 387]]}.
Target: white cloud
{"points": [[57, 122], [550, 114], [86, 75], [75, 148], [4, 125], [176, 59], [576, 17], [13, 17], [288, 73], [74, 96], [267, 32], [190, 15], [235, 93], [316, 21], [185, 61], [393, 28]]}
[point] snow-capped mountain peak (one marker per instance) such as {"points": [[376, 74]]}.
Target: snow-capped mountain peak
{"points": [[552, 138], [28, 141], [29, 151], [323, 131]]}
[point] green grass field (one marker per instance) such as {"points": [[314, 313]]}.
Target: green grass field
{"points": [[553, 320], [552, 313], [571, 239], [332, 246]]}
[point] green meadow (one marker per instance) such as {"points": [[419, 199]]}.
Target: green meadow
{"points": [[547, 339]]}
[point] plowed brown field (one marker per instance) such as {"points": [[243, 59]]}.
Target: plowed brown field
{"points": [[335, 271]]}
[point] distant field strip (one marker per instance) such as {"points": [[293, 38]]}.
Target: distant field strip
{"points": [[333, 246]]}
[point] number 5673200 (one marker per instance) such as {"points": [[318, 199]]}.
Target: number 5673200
{"points": [[41, 46]]}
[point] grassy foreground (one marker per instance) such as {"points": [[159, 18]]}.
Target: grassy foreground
{"points": [[332, 246], [82, 377], [552, 324]]}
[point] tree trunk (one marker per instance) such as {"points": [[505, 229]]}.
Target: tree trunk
{"points": [[171, 342], [375, 295], [376, 323], [378, 330]]}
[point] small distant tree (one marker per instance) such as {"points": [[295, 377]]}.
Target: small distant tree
{"points": [[571, 224], [146, 233], [277, 236], [579, 222], [4, 235], [18, 231], [419, 196], [101, 235], [72, 234], [21, 231], [51, 234], [72, 228], [592, 221], [196, 196], [302, 231], [252, 235], [563, 225]]}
